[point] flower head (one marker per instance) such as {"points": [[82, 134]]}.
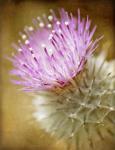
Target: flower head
{"points": [[53, 52]]}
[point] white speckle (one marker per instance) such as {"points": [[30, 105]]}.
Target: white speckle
{"points": [[49, 25], [39, 101], [82, 104], [27, 42], [41, 24], [72, 134], [72, 115], [58, 23], [66, 23], [50, 18], [30, 28], [68, 99], [39, 115]]}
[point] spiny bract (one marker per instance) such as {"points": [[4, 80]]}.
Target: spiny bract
{"points": [[87, 105]]}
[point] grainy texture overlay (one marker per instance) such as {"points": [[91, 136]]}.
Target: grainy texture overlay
{"points": [[18, 129]]}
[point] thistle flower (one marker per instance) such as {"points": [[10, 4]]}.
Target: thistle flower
{"points": [[76, 92], [52, 54]]}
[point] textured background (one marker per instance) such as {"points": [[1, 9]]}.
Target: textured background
{"points": [[18, 129]]}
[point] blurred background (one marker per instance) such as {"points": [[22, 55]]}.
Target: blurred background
{"points": [[18, 130]]}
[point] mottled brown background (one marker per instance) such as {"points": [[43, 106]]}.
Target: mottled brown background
{"points": [[18, 130]]}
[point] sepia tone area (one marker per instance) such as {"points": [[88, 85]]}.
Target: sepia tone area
{"points": [[18, 129]]}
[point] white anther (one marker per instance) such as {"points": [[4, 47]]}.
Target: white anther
{"points": [[49, 25], [19, 49], [53, 31], [66, 23], [41, 24], [27, 42], [50, 18], [23, 36], [30, 28], [58, 23]]}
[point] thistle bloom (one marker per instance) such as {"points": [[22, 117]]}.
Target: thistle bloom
{"points": [[53, 52], [78, 91]]}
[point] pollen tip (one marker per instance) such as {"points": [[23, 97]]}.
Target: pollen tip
{"points": [[49, 25], [27, 42], [58, 23], [30, 28], [23, 36], [50, 18], [53, 31], [19, 49], [41, 24], [66, 23]]}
